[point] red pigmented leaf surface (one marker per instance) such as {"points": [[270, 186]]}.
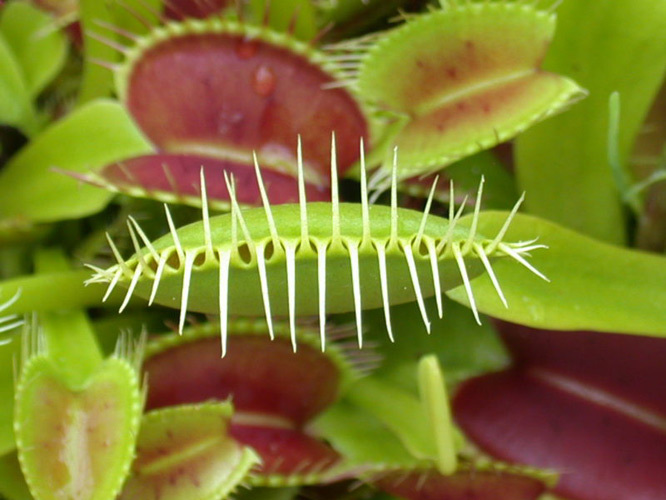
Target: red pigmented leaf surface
{"points": [[465, 78], [494, 108], [200, 9], [179, 175], [286, 452], [76, 442], [225, 95], [588, 405], [463, 485], [261, 376], [186, 452]]}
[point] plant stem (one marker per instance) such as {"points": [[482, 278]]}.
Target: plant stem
{"points": [[71, 342]]}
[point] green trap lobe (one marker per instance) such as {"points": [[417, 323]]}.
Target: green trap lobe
{"points": [[186, 452], [247, 299], [76, 443], [466, 78], [482, 119], [455, 52]]}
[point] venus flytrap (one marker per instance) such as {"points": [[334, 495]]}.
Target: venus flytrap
{"points": [[76, 415], [418, 453], [252, 257], [457, 80], [276, 392], [235, 89], [186, 452]]}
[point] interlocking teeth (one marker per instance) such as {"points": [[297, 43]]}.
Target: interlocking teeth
{"points": [[422, 249]]}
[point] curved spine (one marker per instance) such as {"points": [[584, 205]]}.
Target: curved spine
{"points": [[314, 259]]}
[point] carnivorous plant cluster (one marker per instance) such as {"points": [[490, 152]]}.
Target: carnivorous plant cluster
{"points": [[332, 249]]}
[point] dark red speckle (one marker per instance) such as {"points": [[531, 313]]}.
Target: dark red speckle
{"points": [[246, 49]]}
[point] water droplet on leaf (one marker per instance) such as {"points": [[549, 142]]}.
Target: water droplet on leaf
{"points": [[263, 81]]}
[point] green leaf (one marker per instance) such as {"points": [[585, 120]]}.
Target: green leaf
{"points": [[70, 339], [92, 136], [594, 285], [361, 438], [15, 105], [39, 47], [76, 442], [499, 192], [399, 411], [53, 291], [464, 348], [97, 81], [467, 77], [10, 348], [12, 484], [284, 13], [563, 163], [186, 452], [438, 413]]}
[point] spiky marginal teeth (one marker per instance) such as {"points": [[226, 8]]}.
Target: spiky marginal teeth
{"points": [[117, 30], [237, 217], [394, 199], [365, 209], [335, 197], [302, 200], [356, 290], [112, 284], [208, 239], [137, 249], [426, 211], [130, 290], [135, 14], [321, 279], [266, 203], [383, 281], [505, 227], [435, 251], [290, 258], [407, 249], [263, 280], [475, 218], [123, 49], [144, 238], [187, 276], [174, 234], [121, 262], [486, 263], [10, 322], [432, 253], [452, 224], [225, 259], [468, 286], [526, 247], [517, 257], [11, 301], [158, 276]]}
